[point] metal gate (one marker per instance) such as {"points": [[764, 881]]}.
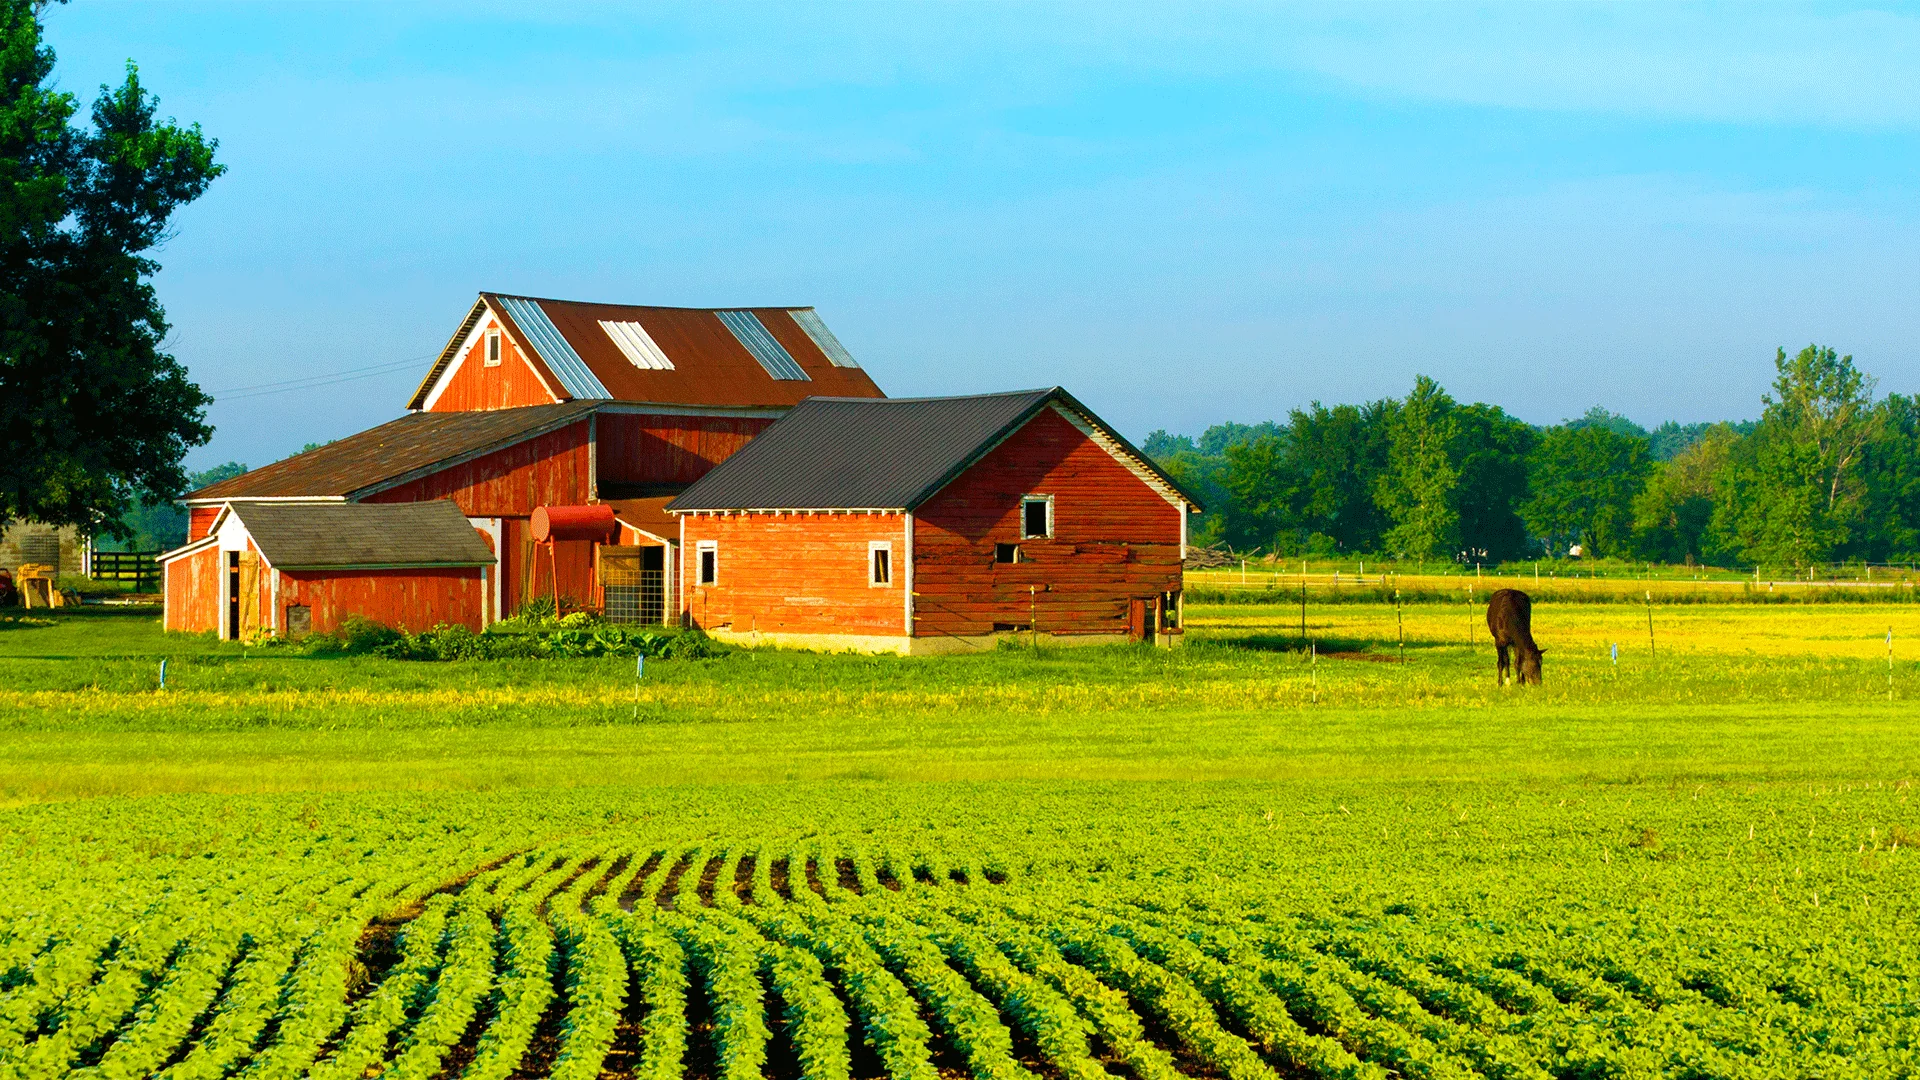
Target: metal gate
{"points": [[633, 583]]}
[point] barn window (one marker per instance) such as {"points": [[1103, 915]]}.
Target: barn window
{"points": [[879, 562], [1036, 516], [493, 348], [1007, 553], [709, 553]]}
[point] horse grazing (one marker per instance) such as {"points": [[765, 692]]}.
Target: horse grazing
{"points": [[1510, 618]]}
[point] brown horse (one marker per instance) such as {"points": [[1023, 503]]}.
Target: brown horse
{"points": [[1510, 618]]}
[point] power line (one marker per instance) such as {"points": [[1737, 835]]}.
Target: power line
{"points": [[309, 382]]}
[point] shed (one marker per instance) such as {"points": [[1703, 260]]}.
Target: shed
{"points": [[292, 568], [922, 525]]}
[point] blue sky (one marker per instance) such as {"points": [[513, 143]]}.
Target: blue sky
{"points": [[1184, 215]]}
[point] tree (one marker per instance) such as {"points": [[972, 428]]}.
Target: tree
{"points": [[1334, 460], [1416, 490], [95, 419], [1890, 474], [1584, 481], [1490, 452], [1672, 513], [1794, 491]]}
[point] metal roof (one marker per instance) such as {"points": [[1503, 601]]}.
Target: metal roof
{"points": [[316, 536], [816, 329], [538, 331], [753, 334], [709, 363], [393, 452], [885, 454]]}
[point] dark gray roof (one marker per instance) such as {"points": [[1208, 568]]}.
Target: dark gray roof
{"points": [[394, 452], [335, 535], [875, 453]]}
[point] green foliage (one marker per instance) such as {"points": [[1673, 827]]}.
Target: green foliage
{"points": [[1584, 483], [94, 418], [1417, 489]]}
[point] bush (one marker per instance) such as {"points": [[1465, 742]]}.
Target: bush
{"points": [[583, 639]]}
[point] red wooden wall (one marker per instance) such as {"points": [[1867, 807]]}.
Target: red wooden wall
{"points": [[795, 574], [642, 449], [476, 387], [193, 592], [1114, 539], [411, 600], [549, 470], [199, 520]]}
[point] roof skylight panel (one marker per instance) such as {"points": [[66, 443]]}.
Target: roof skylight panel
{"points": [[637, 345], [816, 328], [752, 334]]}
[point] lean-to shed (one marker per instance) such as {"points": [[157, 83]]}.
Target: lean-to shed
{"points": [[293, 568]]}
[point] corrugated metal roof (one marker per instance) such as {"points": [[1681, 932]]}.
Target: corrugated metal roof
{"points": [[339, 535], [710, 364], [539, 333], [816, 328], [887, 454], [753, 334], [415, 442]]}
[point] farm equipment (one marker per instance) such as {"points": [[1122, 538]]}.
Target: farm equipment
{"points": [[35, 582]]}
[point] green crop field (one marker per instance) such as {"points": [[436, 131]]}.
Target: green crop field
{"points": [[1222, 861]]}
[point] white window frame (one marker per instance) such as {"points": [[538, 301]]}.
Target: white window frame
{"points": [[1026, 499], [491, 348], [874, 547], [700, 563]]}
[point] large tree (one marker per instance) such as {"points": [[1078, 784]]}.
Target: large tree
{"points": [[1584, 480], [1794, 491], [95, 419], [1416, 491]]}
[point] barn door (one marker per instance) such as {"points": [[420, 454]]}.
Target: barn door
{"points": [[1137, 619], [249, 595]]}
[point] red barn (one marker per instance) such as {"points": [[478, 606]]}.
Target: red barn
{"points": [[537, 402], [293, 568], [933, 525]]}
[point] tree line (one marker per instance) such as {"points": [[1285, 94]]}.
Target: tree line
{"points": [[1828, 473]]}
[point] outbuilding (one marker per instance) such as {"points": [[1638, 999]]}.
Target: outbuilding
{"points": [[294, 568], [927, 525]]}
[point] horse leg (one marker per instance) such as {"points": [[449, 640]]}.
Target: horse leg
{"points": [[1500, 678]]}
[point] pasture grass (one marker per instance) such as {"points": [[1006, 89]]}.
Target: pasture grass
{"points": [[1729, 693]]}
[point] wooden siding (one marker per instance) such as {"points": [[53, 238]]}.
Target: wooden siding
{"points": [[475, 387], [412, 600], [193, 592], [642, 449], [1114, 540], [548, 470], [795, 574], [199, 520]]}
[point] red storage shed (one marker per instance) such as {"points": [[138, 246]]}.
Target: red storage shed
{"points": [[935, 525], [292, 568]]}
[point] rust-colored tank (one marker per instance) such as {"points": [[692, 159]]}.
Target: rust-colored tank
{"points": [[575, 523]]}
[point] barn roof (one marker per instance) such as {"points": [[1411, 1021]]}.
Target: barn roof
{"points": [[887, 454], [320, 536], [684, 356], [392, 453]]}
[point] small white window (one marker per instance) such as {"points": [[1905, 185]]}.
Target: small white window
{"points": [[879, 562], [493, 348], [709, 555], [1036, 516]]}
